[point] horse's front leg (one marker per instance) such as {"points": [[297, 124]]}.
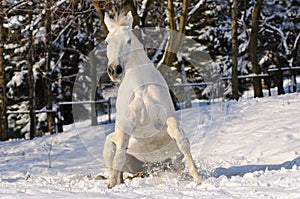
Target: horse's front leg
{"points": [[121, 141], [183, 144]]}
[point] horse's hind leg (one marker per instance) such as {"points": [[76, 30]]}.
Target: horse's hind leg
{"points": [[183, 144]]}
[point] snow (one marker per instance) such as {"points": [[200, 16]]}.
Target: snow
{"points": [[14, 21], [196, 7], [244, 149], [17, 79]]}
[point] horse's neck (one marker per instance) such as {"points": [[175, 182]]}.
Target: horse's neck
{"points": [[137, 58]]}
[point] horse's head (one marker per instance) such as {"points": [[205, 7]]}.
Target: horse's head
{"points": [[120, 43]]}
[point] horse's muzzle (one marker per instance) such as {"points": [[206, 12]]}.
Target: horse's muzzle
{"points": [[114, 70]]}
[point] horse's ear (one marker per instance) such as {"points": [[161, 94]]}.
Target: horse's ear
{"points": [[130, 20], [108, 21]]}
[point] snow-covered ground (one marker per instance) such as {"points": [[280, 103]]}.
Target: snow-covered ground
{"points": [[245, 149]]}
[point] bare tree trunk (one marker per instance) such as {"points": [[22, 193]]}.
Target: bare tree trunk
{"points": [[183, 16], [93, 72], [98, 4], [59, 86], [3, 99], [50, 115], [175, 38], [169, 56], [175, 41], [235, 89], [31, 83], [253, 48]]}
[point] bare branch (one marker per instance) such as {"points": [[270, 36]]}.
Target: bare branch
{"points": [[283, 37]]}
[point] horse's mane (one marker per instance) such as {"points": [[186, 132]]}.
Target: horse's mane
{"points": [[120, 19]]}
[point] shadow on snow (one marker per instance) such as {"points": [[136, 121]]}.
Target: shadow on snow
{"points": [[242, 170]]}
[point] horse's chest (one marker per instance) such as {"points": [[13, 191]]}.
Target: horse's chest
{"points": [[142, 104], [143, 116]]}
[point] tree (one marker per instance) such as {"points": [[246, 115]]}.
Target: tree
{"points": [[235, 91], [3, 118], [31, 82], [295, 56], [169, 56], [175, 38], [48, 47], [59, 38], [253, 49], [92, 64], [100, 11], [280, 38]]}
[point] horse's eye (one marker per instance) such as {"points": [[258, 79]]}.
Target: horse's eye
{"points": [[129, 41]]}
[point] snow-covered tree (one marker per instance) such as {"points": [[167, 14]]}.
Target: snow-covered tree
{"points": [[59, 49]]}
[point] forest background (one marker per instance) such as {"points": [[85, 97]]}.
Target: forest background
{"points": [[46, 44]]}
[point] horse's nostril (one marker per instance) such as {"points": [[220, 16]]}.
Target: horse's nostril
{"points": [[119, 70], [110, 71]]}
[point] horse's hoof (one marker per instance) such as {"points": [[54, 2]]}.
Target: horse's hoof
{"points": [[111, 184], [198, 180]]}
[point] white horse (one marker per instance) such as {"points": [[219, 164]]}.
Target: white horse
{"points": [[146, 129]]}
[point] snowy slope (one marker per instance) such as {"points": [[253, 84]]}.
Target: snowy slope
{"points": [[245, 149]]}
